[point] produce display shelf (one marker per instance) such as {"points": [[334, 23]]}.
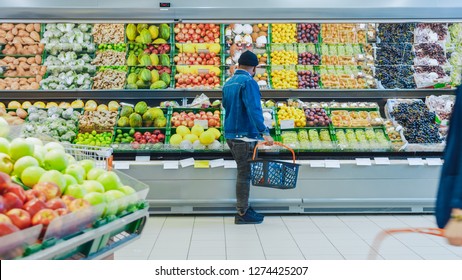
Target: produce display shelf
{"points": [[115, 229]]}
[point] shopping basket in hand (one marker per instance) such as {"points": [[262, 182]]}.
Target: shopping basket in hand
{"points": [[273, 173], [382, 235]]}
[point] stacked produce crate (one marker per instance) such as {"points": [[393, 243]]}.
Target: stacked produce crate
{"points": [[21, 56]]}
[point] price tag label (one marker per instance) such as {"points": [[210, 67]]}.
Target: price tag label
{"points": [[203, 51], [230, 164], [382, 161], [363, 162], [171, 164], [201, 164], [332, 163], [217, 163], [317, 163], [203, 71], [143, 158], [203, 123], [415, 161], [187, 162], [121, 165], [287, 124], [434, 161]]}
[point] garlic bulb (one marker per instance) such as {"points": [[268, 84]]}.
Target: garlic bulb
{"points": [[228, 32], [238, 39], [261, 41]]}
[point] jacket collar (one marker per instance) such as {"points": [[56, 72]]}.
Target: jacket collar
{"points": [[241, 72]]}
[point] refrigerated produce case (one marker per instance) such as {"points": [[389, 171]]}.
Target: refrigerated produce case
{"points": [[340, 179]]}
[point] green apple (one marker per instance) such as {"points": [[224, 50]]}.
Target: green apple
{"points": [[76, 191], [110, 180], [76, 171], [56, 160], [34, 141], [4, 145], [39, 154], [4, 128], [95, 198], [20, 148], [127, 190], [56, 177], [95, 173], [70, 180], [21, 164], [115, 197], [6, 165], [54, 146], [93, 186], [87, 164], [31, 175], [71, 159]]}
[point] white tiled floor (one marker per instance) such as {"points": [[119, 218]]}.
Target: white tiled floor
{"points": [[295, 237]]}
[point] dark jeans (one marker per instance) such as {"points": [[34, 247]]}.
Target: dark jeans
{"points": [[242, 152]]}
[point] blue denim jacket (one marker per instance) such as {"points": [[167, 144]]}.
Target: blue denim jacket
{"points": [[241, 100]]}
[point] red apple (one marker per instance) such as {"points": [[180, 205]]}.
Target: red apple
{"points": [[19, 217], [51, 190], [4, 219], [78, 204], [17, 190], [7, 228], [67, 199], [31, 194], [34, 205], [2, 204], [5, 181], [62, 211], [56, 203], [12, 201], [44, 217]]}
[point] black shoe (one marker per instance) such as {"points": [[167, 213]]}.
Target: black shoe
{"points": [[250, 217]]}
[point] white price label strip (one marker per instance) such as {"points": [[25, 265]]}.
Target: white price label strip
{"points": [[287, 124], [143, 158], [415, 161], [332, 163], [217, 163], [187, 162], [230, 164], [382, 161], [363, 162], [121, 165], [317, 163], [434, 161], [174, 164]]}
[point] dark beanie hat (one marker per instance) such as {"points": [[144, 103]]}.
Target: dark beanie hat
{"points": [[248, 58]]}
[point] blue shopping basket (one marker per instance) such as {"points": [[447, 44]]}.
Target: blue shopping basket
{"points": [[273, 173]]}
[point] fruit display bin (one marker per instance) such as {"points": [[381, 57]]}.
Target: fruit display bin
{"points": [[358, 139], [198, 69], [137, 69], [170, 40], [311, 141], [130, 147], [355, 117]]}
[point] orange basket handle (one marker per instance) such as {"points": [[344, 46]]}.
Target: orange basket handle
{"points": [[430, 231], [274, 143]]}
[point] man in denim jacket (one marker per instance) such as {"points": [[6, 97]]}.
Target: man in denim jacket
{"points": [[244, 126]]}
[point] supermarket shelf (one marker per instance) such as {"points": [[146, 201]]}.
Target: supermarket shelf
{"points": [[62, 248], [176, 93], [395, 188]]}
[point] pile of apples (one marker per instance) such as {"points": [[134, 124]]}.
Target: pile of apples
{"points": [[209, 80], [56, 184], [158, 49], [197, 33], [147, 138], [197, 59], [187, 119]]}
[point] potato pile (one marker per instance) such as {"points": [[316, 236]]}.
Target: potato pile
{"points": [[21, 39], [23, 66]]}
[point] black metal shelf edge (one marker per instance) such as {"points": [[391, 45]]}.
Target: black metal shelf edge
{"points": [[174, 93]]}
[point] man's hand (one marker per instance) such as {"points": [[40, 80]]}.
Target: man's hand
{"points": [[453, 232], [268, 139]]}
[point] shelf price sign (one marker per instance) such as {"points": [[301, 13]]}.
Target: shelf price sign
{"points": [[287, 124], [203, 123]]}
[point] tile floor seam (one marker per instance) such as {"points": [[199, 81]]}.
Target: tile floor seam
{"points": [[157, 237], [323, 233], [371, 249], [293, 238], [191, 237], [259, 239], [224, 234]]}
